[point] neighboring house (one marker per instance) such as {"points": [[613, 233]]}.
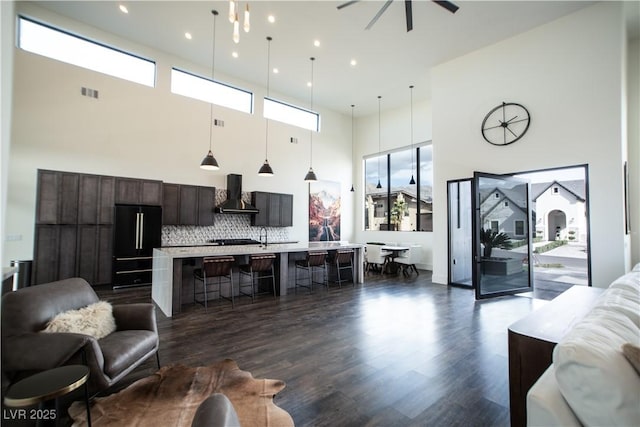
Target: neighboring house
{"points": [[561, 210], [504, 210], [376, 211]]}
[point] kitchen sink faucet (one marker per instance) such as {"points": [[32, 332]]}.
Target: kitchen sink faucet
{"points": [[265, 236]]}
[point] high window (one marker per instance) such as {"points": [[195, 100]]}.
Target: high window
{"points": [[207, 90], [398, 205], [62, 46], [290, 114]]}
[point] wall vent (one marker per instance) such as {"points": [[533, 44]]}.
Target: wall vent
{"points": [[91, 93], [293, 140], [218, 122]]}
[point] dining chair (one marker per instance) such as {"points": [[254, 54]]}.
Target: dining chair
{"points": [[408, 260], [343, 260], [375, 258]]}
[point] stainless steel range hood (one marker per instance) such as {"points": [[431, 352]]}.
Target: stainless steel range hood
{"points": [[234, 203]]}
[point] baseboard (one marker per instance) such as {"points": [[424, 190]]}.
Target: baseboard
{"points": [[439, 279]]}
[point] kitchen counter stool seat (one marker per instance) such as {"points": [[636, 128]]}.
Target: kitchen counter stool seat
{"points": [[343, 260], [215, 267], [314, 261], [260, 266]]}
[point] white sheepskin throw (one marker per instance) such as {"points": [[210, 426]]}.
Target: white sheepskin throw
{"points": [[95, 319]]}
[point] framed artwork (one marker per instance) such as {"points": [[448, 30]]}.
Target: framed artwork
{"points": [[324, 211]]}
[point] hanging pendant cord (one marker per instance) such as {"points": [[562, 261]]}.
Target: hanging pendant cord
{"points": [[412, 161], [213, 67], [379, 137], [266, 142], [311, 131]]}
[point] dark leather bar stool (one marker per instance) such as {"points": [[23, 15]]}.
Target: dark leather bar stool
{"points": [[343, 260], [316, 260], [220, 267], [260, 266]]}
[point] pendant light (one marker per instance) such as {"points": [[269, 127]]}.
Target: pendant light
{"points": [[311, 176], [232, 10], [209, 162], [236, 29], [266, 170], [379, 185], [247, 24], [412, 181], [352, 156]]}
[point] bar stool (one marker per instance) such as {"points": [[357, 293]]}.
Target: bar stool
{"points": [[343, 260], [214, 267], [258, 263], [314, 261]]}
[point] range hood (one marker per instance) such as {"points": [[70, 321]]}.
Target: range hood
{"points": [[234, 203]]}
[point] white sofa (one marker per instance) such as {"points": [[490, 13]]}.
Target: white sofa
{"points": [[591, 382]]}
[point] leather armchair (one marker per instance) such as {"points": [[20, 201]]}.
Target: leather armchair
{"points": [[25, 350]]}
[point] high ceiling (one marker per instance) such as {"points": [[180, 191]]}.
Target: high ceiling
{"points": [[389, 58]]}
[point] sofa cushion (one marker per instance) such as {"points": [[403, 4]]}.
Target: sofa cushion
{"points": [[95, 320], [120, 349], [593, 375], [632, 353]]}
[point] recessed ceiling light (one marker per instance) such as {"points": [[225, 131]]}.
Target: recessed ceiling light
{"points": [[308, 84], [123, 9], [271, 18], [234, 54], [316, 43], [276, 71], [187, 36], [353, 62]]}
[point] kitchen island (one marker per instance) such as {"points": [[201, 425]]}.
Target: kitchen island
{"points": [[167, 281]]}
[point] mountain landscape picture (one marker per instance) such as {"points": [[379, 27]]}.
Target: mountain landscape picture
{"points": [[324, 211]]}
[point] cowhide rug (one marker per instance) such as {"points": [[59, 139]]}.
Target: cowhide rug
{"points": [[171, 396]]}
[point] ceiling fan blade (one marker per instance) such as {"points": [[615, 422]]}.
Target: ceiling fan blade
{"points": [[349, 3], [409, 14], [447, 5], [380, 12]]}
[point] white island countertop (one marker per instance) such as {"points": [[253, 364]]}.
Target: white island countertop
{"points": [[166, 289]]}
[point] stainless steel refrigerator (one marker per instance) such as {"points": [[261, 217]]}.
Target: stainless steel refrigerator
{"points": [[137, 230]]}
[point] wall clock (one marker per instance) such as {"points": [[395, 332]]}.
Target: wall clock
{"points": [[505, 124]]}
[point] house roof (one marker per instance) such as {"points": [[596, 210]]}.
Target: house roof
{"points": [[575, 187]]}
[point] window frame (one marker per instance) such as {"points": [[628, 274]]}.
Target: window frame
{"points": [[19, 27], [214, 82], [315, 114]]}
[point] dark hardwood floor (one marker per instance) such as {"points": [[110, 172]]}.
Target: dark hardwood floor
{"points": [[391, 352]]}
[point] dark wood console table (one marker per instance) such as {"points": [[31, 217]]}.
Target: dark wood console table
{"points": [[532, 339]]}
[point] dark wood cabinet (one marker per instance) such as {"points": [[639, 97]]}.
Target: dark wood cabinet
{"points": [[96, 199], [206, 204], [107, 199], [138, 191], [275, 209], [57, 198], [55, 253], [95, 253], [170, 204], [187, 205]]}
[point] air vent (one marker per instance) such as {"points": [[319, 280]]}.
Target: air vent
{"points": [[218, 122], [293, 140], [91, 93]]}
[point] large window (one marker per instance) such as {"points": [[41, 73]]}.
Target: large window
{"points": [[207, 90], [290, 114], [399, 205], [56, 44]]}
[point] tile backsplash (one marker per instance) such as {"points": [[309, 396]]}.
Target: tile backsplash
{"points": [[227, 226]]}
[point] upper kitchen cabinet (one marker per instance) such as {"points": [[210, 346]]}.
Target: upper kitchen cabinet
{"points": [[275, 209], [57, 197], [133, 191], [96, 200], [187, 204]]}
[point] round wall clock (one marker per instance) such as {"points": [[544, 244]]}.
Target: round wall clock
{"points": [[505, 124]]}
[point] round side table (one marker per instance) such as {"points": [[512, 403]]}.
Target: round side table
{"points": [[44, 386]]}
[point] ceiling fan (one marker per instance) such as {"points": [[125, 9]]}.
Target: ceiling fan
{"points": [[407, 8]]}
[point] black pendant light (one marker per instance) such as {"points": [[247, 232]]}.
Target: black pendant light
{"points": [[266, 170], [209, 162], [311, 176], [379, 185], [412, 181], [352, 156]]}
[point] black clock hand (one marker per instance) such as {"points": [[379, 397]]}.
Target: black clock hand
{"points": [[521, 120], [511, 132], [493, 127], [510, 120]]}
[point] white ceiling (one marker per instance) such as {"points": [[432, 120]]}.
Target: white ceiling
{"points": [[389, 58]]}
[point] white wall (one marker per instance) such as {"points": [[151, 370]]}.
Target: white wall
{"points": [[569, 74], [7, 29], [633, 79], [136, 131]]}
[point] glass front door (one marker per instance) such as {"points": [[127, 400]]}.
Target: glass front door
{"points": [[460, 231], [501, 235]]}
